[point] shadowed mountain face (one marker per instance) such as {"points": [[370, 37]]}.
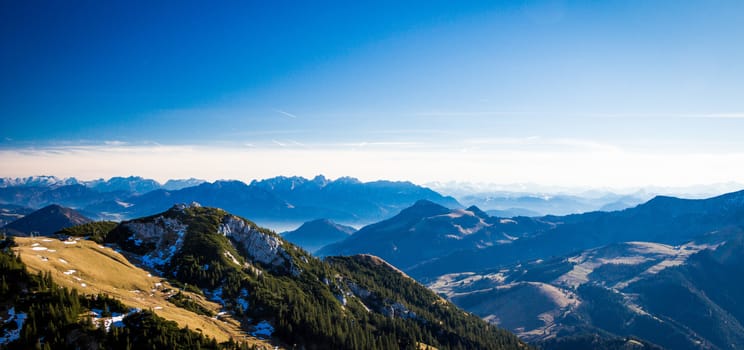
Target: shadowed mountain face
{"points": [[316, 234], [680, 297], [428, 230], [45, 221], [662, 271], [662, 220]]}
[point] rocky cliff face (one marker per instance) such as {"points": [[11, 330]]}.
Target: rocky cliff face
{"points": [[259, 246]]}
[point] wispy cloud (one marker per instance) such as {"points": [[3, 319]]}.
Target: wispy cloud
{"points": [[285, 113]]}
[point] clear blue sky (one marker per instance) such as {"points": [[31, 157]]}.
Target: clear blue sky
{"points": [[501, 91]]}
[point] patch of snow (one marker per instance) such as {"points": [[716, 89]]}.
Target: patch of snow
{"points": [[39, 248], [43, 258], [35, 244], [83, 285], [263, 329], [229, 255], [165, 233], [507, 221], [47, 240], [51, 250], [116, 319], [69, 272], [158, 308], [63, 261], [70, 242]]}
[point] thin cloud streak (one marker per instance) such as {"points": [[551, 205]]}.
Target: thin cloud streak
{"points": [[285, 113]]}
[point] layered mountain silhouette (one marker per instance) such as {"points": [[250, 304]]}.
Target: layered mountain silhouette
{"points": [[284, 200], [428, 230], [679, 297], [316, 234], [663, 219], [46, 221]]}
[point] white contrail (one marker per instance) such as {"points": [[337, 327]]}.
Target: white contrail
{"points": [[286, 113]]}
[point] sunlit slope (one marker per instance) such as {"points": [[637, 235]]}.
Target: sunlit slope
{"points": [[92, 268]]}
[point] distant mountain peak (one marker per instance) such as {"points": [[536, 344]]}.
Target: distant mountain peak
{"points": [[47, 220], [318, 233], [478, 212], [423, 208]]}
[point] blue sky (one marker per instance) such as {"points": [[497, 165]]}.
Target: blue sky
{"points": [[582, 93]]}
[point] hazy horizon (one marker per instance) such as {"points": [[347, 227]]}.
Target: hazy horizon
{"points": [[460, 189], [611, 94]]}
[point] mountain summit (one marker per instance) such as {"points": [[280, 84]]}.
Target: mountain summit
{"points": [[316, 234], [427, 230], [46, 221]]}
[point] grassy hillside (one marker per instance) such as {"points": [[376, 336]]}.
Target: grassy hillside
{"points": [[91, 268], [38, 313]]}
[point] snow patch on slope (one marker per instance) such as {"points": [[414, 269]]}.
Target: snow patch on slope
{"points": [[166, 234]]}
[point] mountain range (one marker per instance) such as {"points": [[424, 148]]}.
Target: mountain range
{"points": [[428, 230], [657, 275], [135, 184], [680, 297], [662, 271], [232, 277], [281, 201], [666, 220], [428, 240]]}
